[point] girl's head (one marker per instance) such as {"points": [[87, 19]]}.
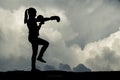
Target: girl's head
{"points": [[29, 13]]}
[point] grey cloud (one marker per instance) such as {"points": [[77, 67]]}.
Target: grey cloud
{"points": [[14, 49], [106, 61], [91, 19], [11, 64], [15, 4]]}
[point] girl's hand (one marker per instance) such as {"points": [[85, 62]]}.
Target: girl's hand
{"points": [[57, 18]]}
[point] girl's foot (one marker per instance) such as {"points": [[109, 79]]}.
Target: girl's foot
{"points": [[41, 60], [35, 70]]}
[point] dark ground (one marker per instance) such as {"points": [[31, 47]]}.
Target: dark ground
{"points": [[58, 75]]}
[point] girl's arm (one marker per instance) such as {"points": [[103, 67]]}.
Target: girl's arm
{"points": [[40, 24], [57, 18], [42, 20]]}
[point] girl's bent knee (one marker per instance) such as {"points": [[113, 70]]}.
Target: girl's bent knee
{"points": [[47, 43]]}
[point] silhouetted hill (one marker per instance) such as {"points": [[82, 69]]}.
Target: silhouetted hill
{"points": [[81, 68], [58, 75], [64, 67]]}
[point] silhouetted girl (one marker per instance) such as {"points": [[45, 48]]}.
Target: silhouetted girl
{"points": [[33, 28]]}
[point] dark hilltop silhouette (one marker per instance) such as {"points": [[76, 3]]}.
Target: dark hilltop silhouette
{"points": [[59, 75]]}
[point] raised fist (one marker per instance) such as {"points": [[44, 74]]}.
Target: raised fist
{"points": [[57, 18], [40, 18]]}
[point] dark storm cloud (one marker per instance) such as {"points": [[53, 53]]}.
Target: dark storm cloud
{"points": [[92, 19]]}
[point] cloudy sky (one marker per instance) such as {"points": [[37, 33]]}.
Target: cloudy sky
{"points": [[87, 34]]}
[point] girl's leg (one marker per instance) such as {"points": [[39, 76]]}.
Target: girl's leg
{"points": [[35, 50], [43, 49]]}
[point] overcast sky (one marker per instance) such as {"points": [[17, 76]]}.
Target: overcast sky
{"points": [[87, 34]]}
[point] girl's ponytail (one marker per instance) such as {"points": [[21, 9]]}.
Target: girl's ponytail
{"points": [[26, 16]]}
